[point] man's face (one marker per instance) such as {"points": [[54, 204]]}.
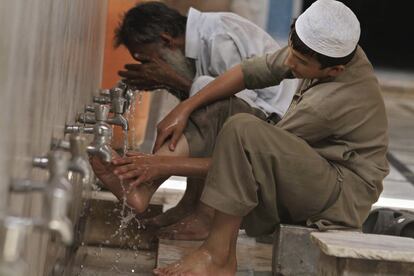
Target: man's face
{"points": [[304, 67], [173, 56]]}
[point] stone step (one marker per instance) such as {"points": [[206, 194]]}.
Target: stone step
{"points": [[352, 253]]}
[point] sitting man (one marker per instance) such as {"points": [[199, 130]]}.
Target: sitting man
{"points": [[183, 54], [322, 165]]}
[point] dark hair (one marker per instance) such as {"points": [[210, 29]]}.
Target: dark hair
{"points": [[325, 61], [145, 22]]}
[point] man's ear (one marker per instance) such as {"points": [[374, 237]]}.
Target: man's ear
{"points": [[335, 70], [167, 40]]}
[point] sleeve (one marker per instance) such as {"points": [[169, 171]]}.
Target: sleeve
{"points": [[224, 54], [305, 122], [265, 71]]}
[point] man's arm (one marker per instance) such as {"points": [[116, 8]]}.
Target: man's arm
{"points": [[174, 123], [155, 73], [255, 73], [141, 168]]}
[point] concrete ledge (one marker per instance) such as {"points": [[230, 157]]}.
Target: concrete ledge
{"points": [[293, 251], [353, 253], [365, 246]]}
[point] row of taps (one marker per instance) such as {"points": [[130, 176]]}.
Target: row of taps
{"points": [[57, 190]]}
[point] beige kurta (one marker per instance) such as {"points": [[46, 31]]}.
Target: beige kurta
{"points": [[323, 163], [344, 120]]}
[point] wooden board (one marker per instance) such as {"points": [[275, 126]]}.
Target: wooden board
{"points": [[253, 258]]}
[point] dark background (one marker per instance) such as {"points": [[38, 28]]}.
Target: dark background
{"points": [[387, 30]]}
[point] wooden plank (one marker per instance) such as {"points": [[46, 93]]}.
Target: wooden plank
{"points": [[90, 260], [252, 257]]}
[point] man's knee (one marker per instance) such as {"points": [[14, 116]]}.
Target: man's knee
{"points": [[181, 149], [242, 124]]}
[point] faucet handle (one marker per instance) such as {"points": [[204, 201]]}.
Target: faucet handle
{"points": [[101, 112], [40, 162], [117, 92], [89, 108], [56, 162], [77, 145], [104, 92], [101, 100], [118, 105], [85, 118], [56, 143], [78, 129], [121, 84]]}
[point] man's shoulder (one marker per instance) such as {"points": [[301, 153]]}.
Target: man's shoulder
{"points": [[228, 21]]}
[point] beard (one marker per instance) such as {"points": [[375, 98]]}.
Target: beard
{"points": [[182, 65]]}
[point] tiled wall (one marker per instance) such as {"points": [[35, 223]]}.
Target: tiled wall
{"points": [[51, 56]]}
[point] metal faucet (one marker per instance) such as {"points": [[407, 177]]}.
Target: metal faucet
{"points": [[13, 234], [118, 103], [58, 194], [57, 191], [102, 133], [121, 89], [101, 99], [77, 147], [128, 93]]}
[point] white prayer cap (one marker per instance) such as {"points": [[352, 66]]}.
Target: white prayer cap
{"points": [[329, 28]]}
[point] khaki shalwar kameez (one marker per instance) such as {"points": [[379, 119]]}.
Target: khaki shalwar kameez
{"points": [[322, 164]]}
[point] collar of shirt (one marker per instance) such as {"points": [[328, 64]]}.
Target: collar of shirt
{"points": [[192, 39]]}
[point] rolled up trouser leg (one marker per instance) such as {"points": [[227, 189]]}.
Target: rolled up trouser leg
{"points": [[205, 124], [263, 173]]}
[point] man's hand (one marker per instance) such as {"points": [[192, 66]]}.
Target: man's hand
{"points": [[153, 73], [140, 168], [172, 126]]}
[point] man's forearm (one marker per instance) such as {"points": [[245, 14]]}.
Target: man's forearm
{"points": [[180, 86], [224, 86]]}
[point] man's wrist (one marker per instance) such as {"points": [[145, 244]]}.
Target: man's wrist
{"points": [[177, 82]]}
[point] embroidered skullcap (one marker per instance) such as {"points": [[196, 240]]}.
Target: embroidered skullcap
{"points": [[329, 28]]}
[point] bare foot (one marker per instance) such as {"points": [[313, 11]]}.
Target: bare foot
{"points": [[193, 227], [137, 198], [200, 262], [186, 205], [170, 216]]}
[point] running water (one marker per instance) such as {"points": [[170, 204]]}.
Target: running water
{"points": [[126, 216], [125, 145]]}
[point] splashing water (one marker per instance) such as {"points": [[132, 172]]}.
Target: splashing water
{"points": [[126, 215]]}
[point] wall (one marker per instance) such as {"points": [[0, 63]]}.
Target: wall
{"points": [[114, 60], [50, 64]]}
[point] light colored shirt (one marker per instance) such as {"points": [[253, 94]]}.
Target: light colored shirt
{"points": [[219, 41], [343, 119]]}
